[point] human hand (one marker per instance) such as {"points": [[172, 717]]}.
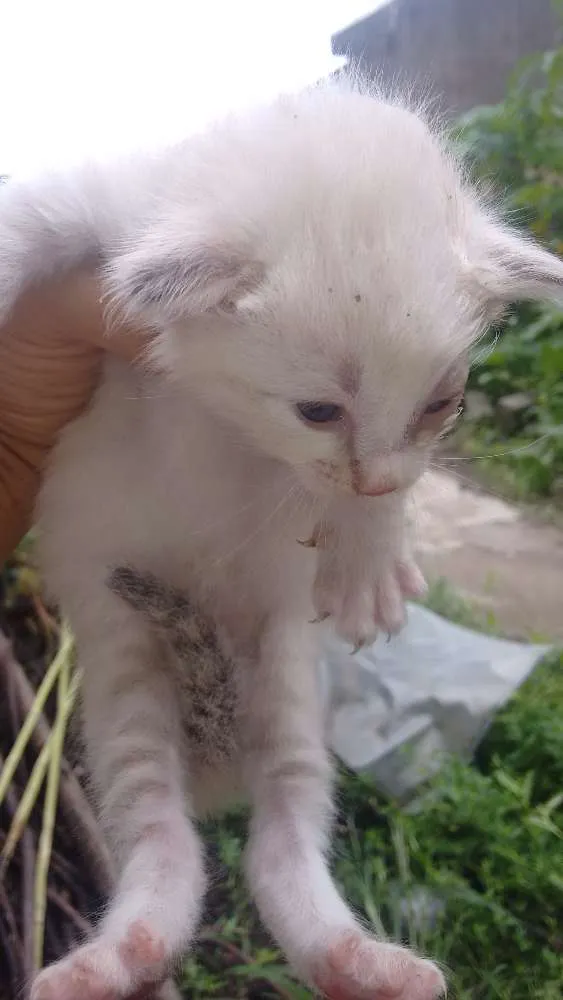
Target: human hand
{"points": [[51, 348]]}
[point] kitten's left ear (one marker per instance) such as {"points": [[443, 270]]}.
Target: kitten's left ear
{"points": [[509, 267], [164, 277]]}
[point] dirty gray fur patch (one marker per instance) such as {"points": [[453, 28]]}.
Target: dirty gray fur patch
{"points": [[205, 678]]}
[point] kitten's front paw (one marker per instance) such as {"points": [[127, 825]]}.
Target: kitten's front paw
{"points": [[361, 598], [357, 967]]}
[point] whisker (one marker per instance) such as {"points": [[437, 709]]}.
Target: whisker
{"points": [[232, 515], [148, 395], [499, 454], [486, 351], [466, 481], [312, 506], [229, 555]]}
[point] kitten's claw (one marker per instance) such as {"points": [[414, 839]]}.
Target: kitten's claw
{"points": [[358, 646], [308, 543], [320, 618], [319, 537]]}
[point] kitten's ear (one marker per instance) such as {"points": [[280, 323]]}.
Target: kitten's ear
{"points": [[509, 268], [163, 281]]}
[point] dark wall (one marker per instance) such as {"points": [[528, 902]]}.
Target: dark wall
{"points": [[462, 50]]}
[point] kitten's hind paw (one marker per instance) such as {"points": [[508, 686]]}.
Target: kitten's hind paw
{"points": [[107, 970], [357, 967]]}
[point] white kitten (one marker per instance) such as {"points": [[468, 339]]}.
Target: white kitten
{"points": [[316, 272]]}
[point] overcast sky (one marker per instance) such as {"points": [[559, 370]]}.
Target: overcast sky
{"points": [[80, 78]]}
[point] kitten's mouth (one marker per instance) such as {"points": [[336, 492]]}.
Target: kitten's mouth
{"points": [[379, 490]]}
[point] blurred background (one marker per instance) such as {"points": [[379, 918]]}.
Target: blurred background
{"points": [[468, 867]]}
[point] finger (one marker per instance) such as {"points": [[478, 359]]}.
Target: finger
{"points": [[72, 310]]}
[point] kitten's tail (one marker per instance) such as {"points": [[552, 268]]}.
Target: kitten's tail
{"points": [[161, 605], [167, 610]]}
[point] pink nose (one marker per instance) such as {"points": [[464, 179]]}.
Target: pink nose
{"points": [[378, 489]]}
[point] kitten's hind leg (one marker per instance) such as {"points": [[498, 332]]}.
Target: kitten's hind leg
{"points": [[133, 739], [288, 773]]}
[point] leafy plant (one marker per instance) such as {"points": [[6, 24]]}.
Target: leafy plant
{"points": [[519, 145]]}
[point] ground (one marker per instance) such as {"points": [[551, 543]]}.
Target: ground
{"points": [[498, 557]]}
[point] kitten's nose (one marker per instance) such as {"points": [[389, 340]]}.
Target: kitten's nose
{"points": [[377, 477]]}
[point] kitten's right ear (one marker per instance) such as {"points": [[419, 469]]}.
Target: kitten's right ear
{"points": [[162, 281], [509, 267]]}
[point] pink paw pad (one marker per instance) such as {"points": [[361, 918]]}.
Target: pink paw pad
{"points": [[78, 979], [142, 950], [360, 968]]}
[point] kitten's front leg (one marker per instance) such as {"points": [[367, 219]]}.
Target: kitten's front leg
{"points": [[289, 778], [365, 566], [133, 736]]}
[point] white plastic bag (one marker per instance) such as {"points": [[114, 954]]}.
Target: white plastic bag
{"points": [[395, 708]]}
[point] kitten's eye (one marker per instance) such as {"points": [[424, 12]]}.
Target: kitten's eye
{"points": [[320, 413], [438, 405]]}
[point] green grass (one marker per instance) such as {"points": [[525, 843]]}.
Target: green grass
{"points": [[445, 601], [473, 876]]}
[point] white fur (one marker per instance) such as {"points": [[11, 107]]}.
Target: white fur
{"points": [[325, 248]]}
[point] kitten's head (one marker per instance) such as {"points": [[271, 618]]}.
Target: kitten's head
{"points": [[319, 272]]}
